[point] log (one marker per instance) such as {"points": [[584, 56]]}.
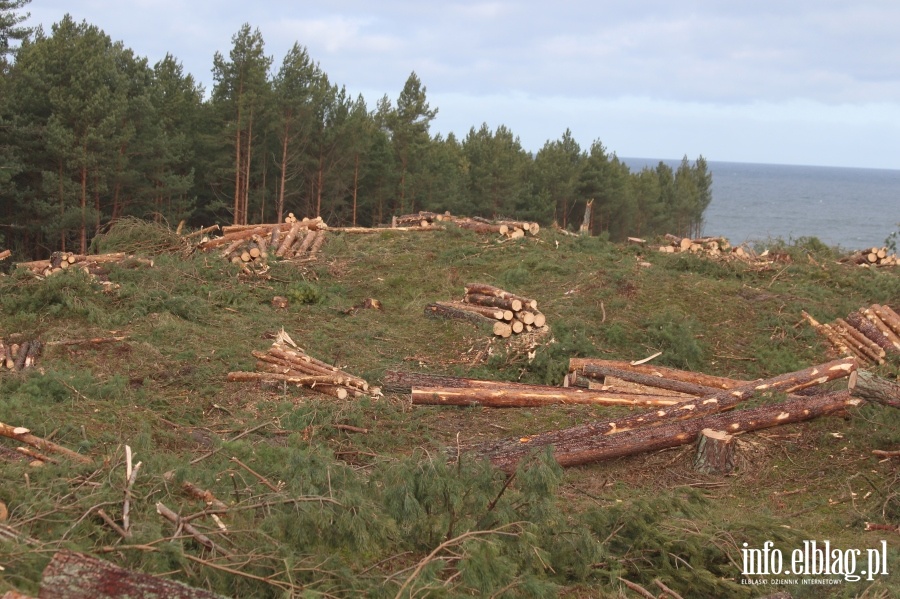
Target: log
{"points": [[715, 452], [507, 395], [862, 324], [288, 239], [317, 242], [888, 333], [234, 236], [71, 575], [437, 310], [495, 302], [5, 254], [484, 289], [306, 243], [847, 329], [600, 372], [24, 435], [888, 317], [589, 449], [479, 227], [245, 377], [495, 313], [502, 329], [871, 387], [686, 376], [694, 408]]}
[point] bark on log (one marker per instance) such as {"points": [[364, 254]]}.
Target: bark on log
{"points": [[288, 239], [500, 395], [25, 436], [862, 324], [495, 302], [230, 237], [873, 348], [317, 242], [871, 387], [437, 310], [881, 326], [888, 317], [600, 372], [715, 452], [71, 575], [307, 242], [685, 376], [596, 448]]}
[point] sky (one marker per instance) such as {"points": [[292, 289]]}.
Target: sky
{"points": [[813, 82]]}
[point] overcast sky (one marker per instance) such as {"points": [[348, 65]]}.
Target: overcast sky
{"points": [[788, 81]]}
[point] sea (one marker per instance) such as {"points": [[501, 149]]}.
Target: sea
{"points": [[847, 208]]}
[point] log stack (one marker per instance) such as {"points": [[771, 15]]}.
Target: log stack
{"points": [[874, 256], [709, 246], [288, 364], [252, 245], [93, 265], [503, 312], [872, 334]]}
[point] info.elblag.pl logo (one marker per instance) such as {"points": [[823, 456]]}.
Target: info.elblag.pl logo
{"points": [[812, 562]]}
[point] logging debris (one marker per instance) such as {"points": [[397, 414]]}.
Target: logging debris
{"points": [[510, 229], [718, 248], [870, 334], [501, 311], [286, 363], [18, 356]]}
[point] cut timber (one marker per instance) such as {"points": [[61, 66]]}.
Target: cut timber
{"points": [[694, 409], [872, 348], [888, 317], [5, 254], [308, 240], [288, 239], [502, 329], [874, 388], [862, 324], [317, 243], [484, 289], [495, 313], [438, 310], [888, 333], [495, 302], [575, 450], [686, 376], [507, 395], [71, 575], [600, 372], [715, 452]]}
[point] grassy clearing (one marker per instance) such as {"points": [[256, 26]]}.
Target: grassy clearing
{"points": [[384, 513]]}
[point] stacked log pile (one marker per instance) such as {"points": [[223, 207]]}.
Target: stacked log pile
{"points": [[252, 245], [93, 265], [503, 312], [511, 229], [288, 364], [874, 256], [870, 334], [710, 246], [711, 408]]}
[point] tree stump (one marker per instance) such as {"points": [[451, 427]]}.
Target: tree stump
{"points": [[715, 452]]}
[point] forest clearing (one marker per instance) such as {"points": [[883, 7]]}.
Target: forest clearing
{"points": [[322, 423]]}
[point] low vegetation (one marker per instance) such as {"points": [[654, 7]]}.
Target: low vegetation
{"points": [[372, 496]]}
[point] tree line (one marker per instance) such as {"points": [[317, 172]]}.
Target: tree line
{"points": [[91, 133]]}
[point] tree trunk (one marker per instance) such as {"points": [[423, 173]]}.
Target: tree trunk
{"points": [[862, 324], [586, 450], [495, 302], [874, 388], [489, 290], [685, 376], [502, 395], [71, 575], [715, 452], [600, 372]]}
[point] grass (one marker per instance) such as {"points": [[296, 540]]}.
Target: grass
{"points": [[361, 513]]}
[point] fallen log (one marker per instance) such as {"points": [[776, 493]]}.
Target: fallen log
{"points": [[599, 372], [495, 313], [585, 450], [495, 302], [871, 387], [888, 333], [509, 395], [437, 310], [674, 374], [71, 575], [490, 290], [693, 409]]}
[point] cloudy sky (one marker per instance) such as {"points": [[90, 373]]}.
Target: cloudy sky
{"points": [[789, 82]]}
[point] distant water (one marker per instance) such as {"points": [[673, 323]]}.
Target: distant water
{"points": [[852, 208]]}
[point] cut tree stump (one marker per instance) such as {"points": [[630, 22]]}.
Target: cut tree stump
{"points": [[715, 452], [71, 575]]}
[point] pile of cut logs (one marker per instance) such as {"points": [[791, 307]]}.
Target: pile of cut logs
{"points": [[505, 313], [18, 356], [94, 265], [288, 364], [253, 244], [870, 334], [508, 228], [711, 246], [704, 409], [874, 256]]}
